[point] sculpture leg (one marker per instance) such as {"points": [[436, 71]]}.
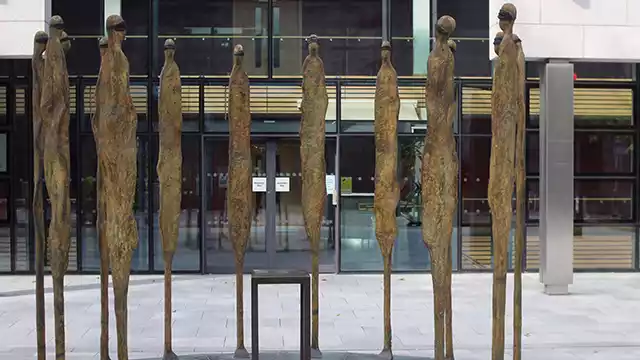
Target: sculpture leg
{"points": [[104, 278], [39, 231], [501, 227], [168, 352], [315, 283], [387, 353], [58, 314], [519, 240], [448, 304], [120, 276], [437, 268], [241, 351]]}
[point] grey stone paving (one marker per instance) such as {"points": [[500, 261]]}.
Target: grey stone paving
{"points": [[599, 320]]}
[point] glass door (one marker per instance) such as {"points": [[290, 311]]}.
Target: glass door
{"points": [[278, 238]]}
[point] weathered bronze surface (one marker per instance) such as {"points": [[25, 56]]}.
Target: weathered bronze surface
{"points": [[37, 68], [312, 129], [387, 109], [439, 181], [170, 175], [504, 118], [117, 122], [55, 116], [100, 100], [520, 205], [239, 191]]}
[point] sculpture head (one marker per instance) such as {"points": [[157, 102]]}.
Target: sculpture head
{"points": [[452, 46], [497, 41], [314, 47], [386, 51], [116, 28], [445, 26], [169, 49], [507, 16], [65, 41], [40, 43], [103, 45], [56, 26], [238, 55]]}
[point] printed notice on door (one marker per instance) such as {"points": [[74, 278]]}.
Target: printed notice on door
{"points": [[282, 184], [259, 184]]}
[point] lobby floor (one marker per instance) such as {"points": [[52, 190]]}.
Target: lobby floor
{"points": [[599, 320]]}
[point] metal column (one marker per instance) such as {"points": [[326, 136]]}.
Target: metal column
{"points": [[556, 177]]}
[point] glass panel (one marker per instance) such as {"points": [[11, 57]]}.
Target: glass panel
{"points": [[476, 247], [532, 153], [140, 258], [5, 230], [603, 152], [3, 153], [476, 110], [471, 55], [471, 16], [593, 107], [187, 255], [84, 56], [603, 70], [139, 95], [88, 205], [21, 170], [594, 248], [533, 200], [476, 152], [80, 17], [213, 31], [136, 14], [3, 105], [292, 245], [349, 30], [219, 250], [135, 48], [604, 200]]}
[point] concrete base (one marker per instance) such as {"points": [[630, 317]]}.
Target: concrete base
{"points": [[556, 289], [241, 353]]}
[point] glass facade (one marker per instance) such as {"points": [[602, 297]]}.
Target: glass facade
{"points": [[273, 34]]}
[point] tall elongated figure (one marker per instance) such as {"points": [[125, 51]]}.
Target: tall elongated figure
{"points": [[521, 195], [440, 181], [55, 115], [387, 109], [170, 175], [117, 128], [312, 129], [100, 99], [504, 117], [239, 192], [37, 67]]}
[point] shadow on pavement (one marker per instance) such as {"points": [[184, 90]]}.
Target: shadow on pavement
{"points": [[293, 355]]}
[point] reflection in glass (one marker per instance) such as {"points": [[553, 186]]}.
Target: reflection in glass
{"points": [[476, 110], [218, 246], [3, 105], [532, 153], [21, 170], [476, 151], [604, 200], [533, 199], [594, 247], [187, 254], [359, 246], [593, 108], [5, 229], [603, 153]]}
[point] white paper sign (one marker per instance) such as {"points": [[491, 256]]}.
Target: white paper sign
{"points": [[282, 184], [259, 184], [330, 182]]}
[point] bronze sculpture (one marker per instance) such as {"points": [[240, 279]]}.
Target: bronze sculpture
{"points": [[37, 67], [521, 198], [65, 42], [117, 122], [170, 175], [99, 99], [387, 109], [504, 117], [312, 130], [239, 191], [439, 181], [55, 117]]}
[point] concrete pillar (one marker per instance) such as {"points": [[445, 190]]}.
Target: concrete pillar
{"points": [[556, 177]]}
